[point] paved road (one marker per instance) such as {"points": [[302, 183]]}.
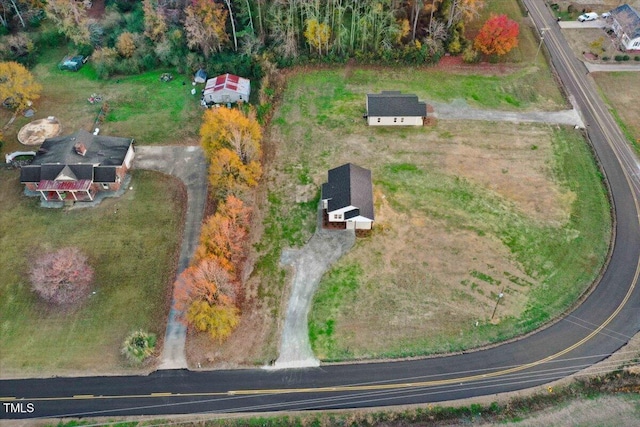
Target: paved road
{"points": [[595, 329]]}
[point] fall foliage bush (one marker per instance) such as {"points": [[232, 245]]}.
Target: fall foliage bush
{"points": [[138, 346], [498, 35], [62, 276]]}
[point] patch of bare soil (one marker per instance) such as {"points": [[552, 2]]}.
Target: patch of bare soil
{"points": [[37, 131], [457, 65]]}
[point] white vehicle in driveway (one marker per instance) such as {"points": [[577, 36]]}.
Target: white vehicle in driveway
{"points": [[591, 16]]}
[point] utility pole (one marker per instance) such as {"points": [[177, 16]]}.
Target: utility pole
{"points": [[500, 295], [542, 31]]}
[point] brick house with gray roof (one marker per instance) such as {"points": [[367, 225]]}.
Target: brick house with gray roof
{"points": [[78, 166], [626, 25], [392, 108], [347, 198]]}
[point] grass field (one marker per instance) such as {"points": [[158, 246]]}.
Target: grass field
{"points": [[132, 242], [141, 106], [464, 211], [621, 92]]}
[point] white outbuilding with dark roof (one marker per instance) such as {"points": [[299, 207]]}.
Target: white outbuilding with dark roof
{"points": [[347, 197], [392, 108]]}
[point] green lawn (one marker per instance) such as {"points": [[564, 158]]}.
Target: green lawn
{"points": [[140, 106], [132, 242]]}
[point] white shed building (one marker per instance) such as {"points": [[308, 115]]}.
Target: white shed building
{"points": [[392, 108], [226, 88]]}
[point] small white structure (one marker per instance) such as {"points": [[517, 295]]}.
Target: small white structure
{"points": [[225, 89], [392, 108], [200, 76], [626, 25], [347, 198]]}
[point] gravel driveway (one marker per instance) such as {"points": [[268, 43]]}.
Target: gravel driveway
{"points": [[189, 165], [309, 264]]}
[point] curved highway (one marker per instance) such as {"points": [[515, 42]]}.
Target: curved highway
{"points": [[598, 327]]}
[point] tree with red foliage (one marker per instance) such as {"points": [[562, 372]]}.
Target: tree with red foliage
{"points": [[62, 277], [224, 235], [497, 36]]}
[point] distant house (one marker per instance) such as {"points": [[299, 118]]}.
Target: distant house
{"points": [[626, 25], [392, 108], [225, 89], [78, 166], [347, 198]]}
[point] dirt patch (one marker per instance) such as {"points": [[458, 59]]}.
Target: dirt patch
{"points": [[457, 65], [36, 132]]}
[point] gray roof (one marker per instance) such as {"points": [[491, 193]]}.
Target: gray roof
{"points": [[349, 185], [629, 20], [49, 172], [395, 104], [102, 150]]}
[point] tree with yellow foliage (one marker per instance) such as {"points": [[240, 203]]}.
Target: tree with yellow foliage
{"points": [[231, 128], [219, 321], [155, 26], [126, 45], [318, 35], [229, 175], [70, 17], [209, 296], [231, 141], [205, 25], [17, 87]]}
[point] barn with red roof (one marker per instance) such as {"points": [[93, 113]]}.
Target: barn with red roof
{"points": [[227, 88]]}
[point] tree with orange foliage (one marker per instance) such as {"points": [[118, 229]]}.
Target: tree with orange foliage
{"points": [[497, 36], [209, 296], [207, 281], [224, 236]]}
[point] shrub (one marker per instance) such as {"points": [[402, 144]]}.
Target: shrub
{"points": [[625, 57], [138, 346], [470, 55], [62, 276], [605, 58], [618, 58], [636, 58]]}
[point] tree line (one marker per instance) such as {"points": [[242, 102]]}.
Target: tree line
{"points": [[133, 36]]}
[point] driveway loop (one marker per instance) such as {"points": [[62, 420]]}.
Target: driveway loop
{"points": [[309, 264], [189, 165]]}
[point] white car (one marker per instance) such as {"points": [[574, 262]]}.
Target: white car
{"points": [[591, 16], [605, 15]]}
